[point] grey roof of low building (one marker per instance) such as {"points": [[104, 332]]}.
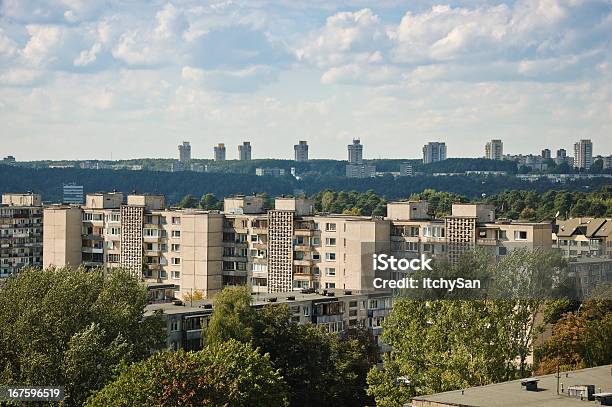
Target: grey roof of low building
{"points": [[511, 394]]}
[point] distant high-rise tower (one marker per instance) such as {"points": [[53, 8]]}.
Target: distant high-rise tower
{"points": [[561, 153], [546, 154], [220, 152], [434, 151], [355, 152], [583, 154], [301, 151], [184, 152], [244, 151], [494, 150]]}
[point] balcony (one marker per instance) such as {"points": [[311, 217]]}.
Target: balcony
{"points": [[487, 241], [302, 248], [303, 262], [99, 250], [259, 231]]}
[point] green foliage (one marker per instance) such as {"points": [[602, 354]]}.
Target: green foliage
{"points": [[320, 369], [175, 185], [210, 202], [538, 207], [73, 328], [442, 345], [233, 317], [188, 201], [350, 203], [225, 374]]}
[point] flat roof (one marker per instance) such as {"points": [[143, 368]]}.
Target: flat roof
{"points": [[511, 394]]}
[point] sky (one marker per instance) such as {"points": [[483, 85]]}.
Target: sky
{"points": [[87, 79]]}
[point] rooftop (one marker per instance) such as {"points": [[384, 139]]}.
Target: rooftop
{"points": [[511, 394]]}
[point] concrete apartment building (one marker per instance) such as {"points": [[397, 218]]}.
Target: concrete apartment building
{"points": [[287, 248], [301, 151], [433, 152], [334, 310], [184, 152], [244, 151], [219, 151], [21, 225], [415, 232], [583, 154], [494, 150], [356, 168]]}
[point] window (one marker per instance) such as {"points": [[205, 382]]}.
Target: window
{"points": [[520, 235], [330, 241], [115, 231], [176, 233], [150, 233], [306, 310], [176, 247], [330, 227], [176, 220], [176, 260], [502, 251], [176, 275], [330, 256], [501, 235], [330, 271], [113, 258], [316, 256], [162, 274], [315, 271], [330, 285], [174, 325], [316, 241]]}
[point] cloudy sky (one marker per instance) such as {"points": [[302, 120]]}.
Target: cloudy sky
{"points": [[87, 79]]}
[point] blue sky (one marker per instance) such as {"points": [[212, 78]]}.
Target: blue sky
{"points": [[84, 79]]}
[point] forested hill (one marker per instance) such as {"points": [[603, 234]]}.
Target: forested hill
{"points": [[174, 186]]}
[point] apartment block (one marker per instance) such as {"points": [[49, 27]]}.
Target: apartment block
{"points": [[301, 151], [184, 152], [583, 237], [244, 151], [219, 151], [163, 246], [583, 154], [20, 232], [356, 168], [278, 250], [335, 310], [494, 150], [433, 152]]}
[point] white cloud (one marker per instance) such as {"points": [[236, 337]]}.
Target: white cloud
{"points": [[88, 56]]}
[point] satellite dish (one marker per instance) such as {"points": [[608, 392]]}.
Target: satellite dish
{"points": [[483, 194]]}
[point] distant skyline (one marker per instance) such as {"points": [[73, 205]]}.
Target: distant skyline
{"points": [[87, 79]]}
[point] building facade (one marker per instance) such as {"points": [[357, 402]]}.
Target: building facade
{"points": [[356, 168], [283, 249], [301, 151], [270, 172], [219, 151], [433, 152], [72, 194], [244, 151], [184, 152], [21, 239], [583, 154], [494, 150]]}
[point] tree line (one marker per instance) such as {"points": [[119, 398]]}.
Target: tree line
{"points": [[175, 185], [514, 204]]}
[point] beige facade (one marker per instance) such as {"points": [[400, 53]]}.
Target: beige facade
{"points": [[288, 248]]}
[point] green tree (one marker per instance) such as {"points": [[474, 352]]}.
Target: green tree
{"points": [[224, 374], [233, 317], [73, 328], [188, 201], [209, 202]]}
